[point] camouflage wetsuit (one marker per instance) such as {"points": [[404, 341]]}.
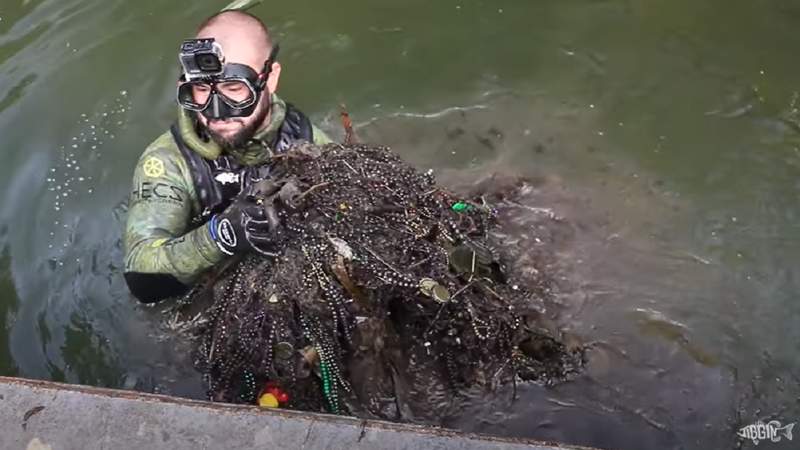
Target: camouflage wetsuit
{"points": [[167, 241]]}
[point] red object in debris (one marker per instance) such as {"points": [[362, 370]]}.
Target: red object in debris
{"points": [[280, 394], [282, 397]]}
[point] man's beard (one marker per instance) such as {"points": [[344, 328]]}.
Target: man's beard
{"points": [[243, 136]]}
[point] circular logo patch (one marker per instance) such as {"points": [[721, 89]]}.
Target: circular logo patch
{"points": [[153, 167], [226, 233]]}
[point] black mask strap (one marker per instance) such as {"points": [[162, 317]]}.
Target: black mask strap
{"points": [[273, 55]]}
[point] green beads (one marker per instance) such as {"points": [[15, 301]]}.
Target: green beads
{"points": [[461, 207], [327, 388]]}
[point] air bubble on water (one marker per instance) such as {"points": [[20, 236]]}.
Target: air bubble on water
{"points": [[80, 178], [74, 145]]}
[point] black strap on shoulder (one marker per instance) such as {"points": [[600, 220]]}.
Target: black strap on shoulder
{"points": [[208, 192], [296, 126]]}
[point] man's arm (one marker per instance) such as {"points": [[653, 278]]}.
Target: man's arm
{"points": [[161, 256]]}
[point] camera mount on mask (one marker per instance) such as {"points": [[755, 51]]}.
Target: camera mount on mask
{"points": [[215, 88]]}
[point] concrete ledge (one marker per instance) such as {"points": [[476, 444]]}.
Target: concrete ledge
{"points": [[39, 415]]}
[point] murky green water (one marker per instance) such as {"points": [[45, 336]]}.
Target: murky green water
{"points": [[662, 131]]}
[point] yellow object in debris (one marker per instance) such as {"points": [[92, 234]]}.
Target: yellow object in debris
{"points": [[268, 401], [159, 242]]}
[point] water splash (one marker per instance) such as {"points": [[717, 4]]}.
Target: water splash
{"points": [[68, 181]]}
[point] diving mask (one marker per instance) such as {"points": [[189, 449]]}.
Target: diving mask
{"points": [[231, 90]]}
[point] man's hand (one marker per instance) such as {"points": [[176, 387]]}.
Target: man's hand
{"points": [[242, 227]]}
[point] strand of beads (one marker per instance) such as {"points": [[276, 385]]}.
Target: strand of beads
{"points": [[327, 388], [248, 394], [333, 294], [329, 368]]}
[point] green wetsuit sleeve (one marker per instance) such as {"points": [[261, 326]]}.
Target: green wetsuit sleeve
{"points": [[162, 200], [320, 138]]}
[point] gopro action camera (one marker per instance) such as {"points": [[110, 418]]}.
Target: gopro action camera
{"points": [[201, 58]]}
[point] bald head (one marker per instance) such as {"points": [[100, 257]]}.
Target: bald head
{"points": [[243, 37], [244, 40]]}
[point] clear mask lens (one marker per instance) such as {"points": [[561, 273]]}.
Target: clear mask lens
{"points": [[196, 95], [236, 91]]}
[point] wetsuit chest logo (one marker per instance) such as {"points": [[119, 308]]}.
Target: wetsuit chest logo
{"points": [[227, 178]]}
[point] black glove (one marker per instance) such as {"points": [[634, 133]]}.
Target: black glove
{"points": [[242, 227]]}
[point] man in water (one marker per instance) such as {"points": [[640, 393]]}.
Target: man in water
{"points": [[188, 208]]}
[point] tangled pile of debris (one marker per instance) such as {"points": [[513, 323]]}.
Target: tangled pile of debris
{"points": [[386, 291]]}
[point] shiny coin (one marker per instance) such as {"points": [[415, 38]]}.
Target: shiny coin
{"points": [[434, 290], [283, 350]]}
